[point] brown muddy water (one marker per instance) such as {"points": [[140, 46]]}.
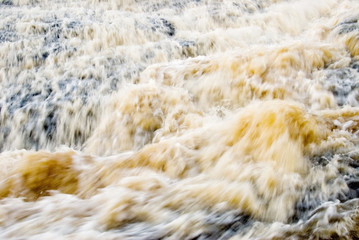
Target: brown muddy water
{"points": [[179, 119]]}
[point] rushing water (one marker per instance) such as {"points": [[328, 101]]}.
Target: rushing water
{"points": [[179, 119]]}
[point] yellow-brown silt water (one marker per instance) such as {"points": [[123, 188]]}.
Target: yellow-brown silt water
{"points": [[179, 119]]}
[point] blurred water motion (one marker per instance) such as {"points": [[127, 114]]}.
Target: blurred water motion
{"points": [[192, 119]]}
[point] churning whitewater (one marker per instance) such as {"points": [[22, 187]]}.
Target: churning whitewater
{"points": [[179, 119]]}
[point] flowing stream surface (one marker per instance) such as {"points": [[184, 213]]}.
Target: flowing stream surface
{"points": [[179, 119]]}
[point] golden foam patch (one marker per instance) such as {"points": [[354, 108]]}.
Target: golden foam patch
{"points": [[275, 131], [38, 173], [352, 44]]}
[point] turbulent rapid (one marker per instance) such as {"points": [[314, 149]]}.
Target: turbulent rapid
{"points": [[179, 119]]}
